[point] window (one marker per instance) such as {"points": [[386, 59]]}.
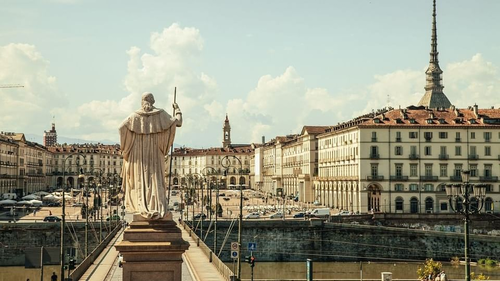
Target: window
{"points": [[428, 150], [413, 150], [487, 150], [399, 170], [413, 170], [458, 171], [413, 187], [458, 150], [413, 135], [443, 170], [374, 136], [473, 150], [398, 150], [444, 206], [457, 136], [443, 135], [398, 187], [398, 136], [428, 170], [428, 136], [487, 170], [442, 152], [429, 187], [399, 204], [374, 151], [487, 136], [472, 135], [473, 170], [374, 170]]}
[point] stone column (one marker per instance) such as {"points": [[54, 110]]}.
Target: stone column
{"points": [[152, 250]]}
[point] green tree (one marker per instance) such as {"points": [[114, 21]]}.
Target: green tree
{"points": [[430, 267]]}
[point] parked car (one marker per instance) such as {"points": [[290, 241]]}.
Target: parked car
{"points": [[114, 217], [53, 204], [299, 215], [52, 219], [226, 198], [77, 204], [252, 216], [344, 213], [276, 215], [319, 213], [222, 194], [199, 216], [316, 203]]}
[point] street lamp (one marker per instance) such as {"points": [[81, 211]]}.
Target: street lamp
{"points": [[209, 189], [226, 163], [63, 215], [466, 192]]}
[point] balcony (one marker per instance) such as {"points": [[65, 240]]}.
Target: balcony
{"points": [[413, 156], [428, 178], [374, 156], [374, 139], [443, 157], [488, 179], [473, 157], [456, 178], [5, 176], [375, 178], [458, 139], [398, 139], [399, 178]]}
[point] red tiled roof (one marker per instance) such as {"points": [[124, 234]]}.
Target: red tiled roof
{"points": [[415, 116]]}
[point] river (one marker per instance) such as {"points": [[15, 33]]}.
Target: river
{"points": [[351, 270]]}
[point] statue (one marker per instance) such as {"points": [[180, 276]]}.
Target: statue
{"points": [[146, 137]]}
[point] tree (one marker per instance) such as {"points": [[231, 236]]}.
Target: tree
{"points": [[431, 268]]}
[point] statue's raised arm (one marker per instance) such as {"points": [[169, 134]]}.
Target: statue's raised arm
{"points": [[145, 137]]}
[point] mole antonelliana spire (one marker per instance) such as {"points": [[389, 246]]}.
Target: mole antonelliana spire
{"points": [[434, 96]]}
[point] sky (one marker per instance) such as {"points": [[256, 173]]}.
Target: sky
{"points": [[271, 66]]}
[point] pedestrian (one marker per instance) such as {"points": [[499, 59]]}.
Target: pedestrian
{"points": [[438, 278], [443, 276], [53, 277], [50, 213]]}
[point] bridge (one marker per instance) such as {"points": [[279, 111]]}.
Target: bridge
{"points": [[196, 263]]}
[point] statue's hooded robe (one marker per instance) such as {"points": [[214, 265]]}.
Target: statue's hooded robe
{"points": [[145, 139]]}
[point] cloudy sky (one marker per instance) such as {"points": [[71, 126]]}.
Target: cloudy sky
{"points": [[272, 66]]}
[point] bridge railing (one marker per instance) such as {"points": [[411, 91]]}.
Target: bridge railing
{"points": [[87, 262], [212, 257]]}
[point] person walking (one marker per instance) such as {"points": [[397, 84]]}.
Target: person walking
{"points": [[53, 277]]}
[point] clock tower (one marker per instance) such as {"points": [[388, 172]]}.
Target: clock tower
{"points": [[226, 133]]}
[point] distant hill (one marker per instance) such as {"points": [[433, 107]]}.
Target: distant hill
{"points": [[61, 139]]}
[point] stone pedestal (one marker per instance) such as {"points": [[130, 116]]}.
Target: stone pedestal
{"points": [[152, 250]]}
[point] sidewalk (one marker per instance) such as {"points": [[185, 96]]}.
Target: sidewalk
{"points": [[196, 266], [197, 262]]}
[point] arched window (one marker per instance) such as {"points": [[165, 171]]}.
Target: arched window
{"points": [[429, 205], [399, 204], [488, 205], [413, 205]]}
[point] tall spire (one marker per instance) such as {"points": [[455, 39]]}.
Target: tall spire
{"points": [[434, 96]]}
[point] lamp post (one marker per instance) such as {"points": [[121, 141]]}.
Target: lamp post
{"points": [[97, 199], [226, 163], [63, 215], [209, 191], [466, 192]]}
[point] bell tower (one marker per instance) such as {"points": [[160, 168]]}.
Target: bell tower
{"points": [[226, 133]]}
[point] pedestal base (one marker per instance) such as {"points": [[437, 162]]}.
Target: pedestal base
{"points": [[152, 250]]}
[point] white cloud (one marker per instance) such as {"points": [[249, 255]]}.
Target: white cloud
{"points": [[171, 64], [25, 107], [472, 81]]}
